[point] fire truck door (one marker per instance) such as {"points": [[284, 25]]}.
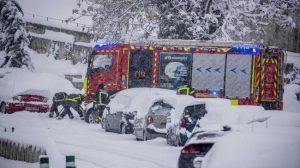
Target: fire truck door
{"points": [[140, 63], [238, 76], [208, 71]]}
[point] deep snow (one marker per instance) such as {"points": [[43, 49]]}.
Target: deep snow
{"points": [[275, 143]]}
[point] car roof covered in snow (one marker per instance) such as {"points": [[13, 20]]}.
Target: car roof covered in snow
{"points": [[44, 93], [140, 100]]}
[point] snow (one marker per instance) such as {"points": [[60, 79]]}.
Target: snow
{"points": [[138, 99], [55, 36], [271, 143], [6, 163], [49, 74], [37, 11], [44, 93]]}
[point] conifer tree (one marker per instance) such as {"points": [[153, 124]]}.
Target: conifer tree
{"points": [[13, 35]]}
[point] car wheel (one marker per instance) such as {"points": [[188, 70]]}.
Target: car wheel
{"points": [[177, 141], [123, 129], [145, 136], [2, 108], [91, 116]]}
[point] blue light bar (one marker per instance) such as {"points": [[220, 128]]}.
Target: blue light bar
{"points": [[214, 92], [106, 44], [245, 48]]}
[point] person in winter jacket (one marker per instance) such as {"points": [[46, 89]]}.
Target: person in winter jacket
{"points": [[58, 99], [72, 101], [102, 99]]}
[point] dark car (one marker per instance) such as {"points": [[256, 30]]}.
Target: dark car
{"points": [[118, 122], [29, 100], [198, 145], [179, 131]]}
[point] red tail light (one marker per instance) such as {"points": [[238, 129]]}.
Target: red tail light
{"points": [[189, 149], [149, 120], [182, 123]]}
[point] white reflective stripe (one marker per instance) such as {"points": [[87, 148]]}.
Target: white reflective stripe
{"points": [[44, 165], [71, 164]]}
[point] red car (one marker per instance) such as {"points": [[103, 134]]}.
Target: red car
{"points": [[29, 100]]}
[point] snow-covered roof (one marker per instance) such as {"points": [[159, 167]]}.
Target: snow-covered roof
{"points": [[54, 13]]}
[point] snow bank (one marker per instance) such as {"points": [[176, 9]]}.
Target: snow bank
{"points": [[289, 98]]}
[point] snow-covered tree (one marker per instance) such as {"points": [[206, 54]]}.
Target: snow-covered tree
{"points": [[246, 20], [118, 19], [238, 20], [13, 35], [190, 19]]}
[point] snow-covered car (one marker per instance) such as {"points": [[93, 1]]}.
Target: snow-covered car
{"points": [[198, 145], [29, 100], [131, 106], [118, 122], [153, 124], [181, 123]]}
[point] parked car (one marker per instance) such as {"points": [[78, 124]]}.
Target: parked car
{"points": [[181, 123], [118, 122], [153, 124], [29, 100], [128, 110], [198, 145]]}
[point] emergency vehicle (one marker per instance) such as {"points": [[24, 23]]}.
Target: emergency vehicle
{"points": [[248, 74]]}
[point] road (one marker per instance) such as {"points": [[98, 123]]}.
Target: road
{"points": [[91, 145]]}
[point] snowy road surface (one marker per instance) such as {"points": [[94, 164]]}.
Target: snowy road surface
{"points": [[90, 144]]}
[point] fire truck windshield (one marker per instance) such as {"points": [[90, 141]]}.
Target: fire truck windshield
{"points": [[102, 62]]}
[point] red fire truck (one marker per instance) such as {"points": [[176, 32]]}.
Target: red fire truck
{"points": [[245, 73]]}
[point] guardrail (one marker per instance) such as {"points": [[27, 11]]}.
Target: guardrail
{"points": [[20, 151]]}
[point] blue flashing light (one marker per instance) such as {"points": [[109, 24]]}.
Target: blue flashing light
{"points": [[245, 48], [106, 44], [214, 92]]}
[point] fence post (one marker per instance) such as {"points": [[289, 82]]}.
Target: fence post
{"points": [[70, 161], [44, 161]]}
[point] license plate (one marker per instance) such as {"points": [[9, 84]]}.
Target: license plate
{"points": [[31, 108]]}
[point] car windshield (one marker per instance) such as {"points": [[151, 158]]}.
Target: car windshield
{"points": [[195, 112], [161, 108]]}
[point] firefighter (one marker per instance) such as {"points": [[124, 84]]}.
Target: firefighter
{"points": [[102, 99], [57, 100], [72, 101], [185, 90]]}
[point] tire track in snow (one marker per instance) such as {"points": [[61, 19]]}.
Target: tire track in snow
{"points": [[112, 151]]}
